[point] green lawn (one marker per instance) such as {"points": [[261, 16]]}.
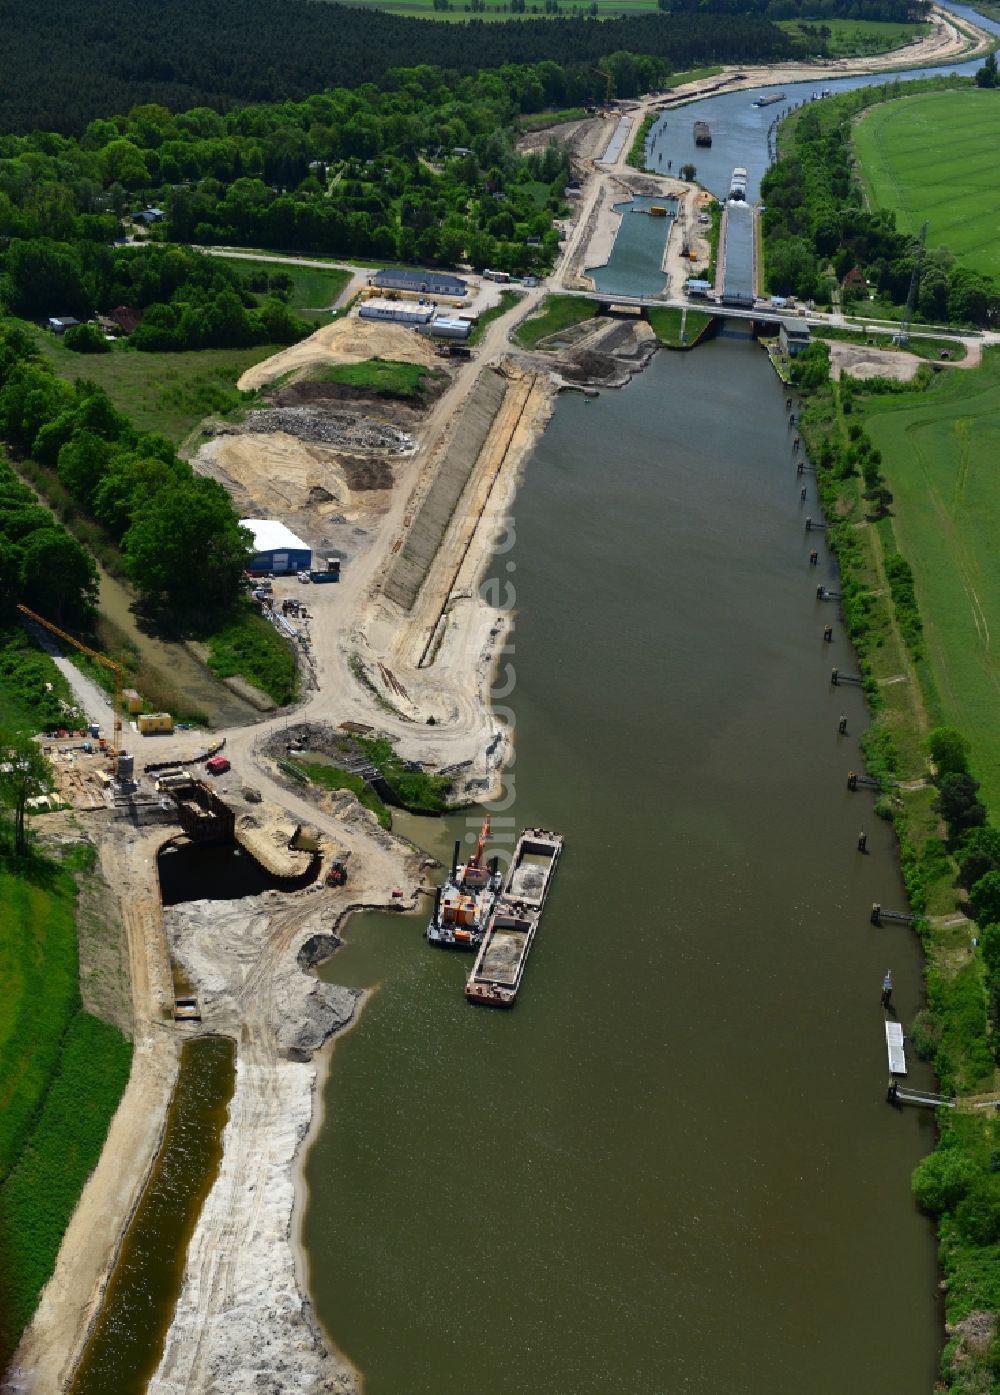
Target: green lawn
{"points": [[850, 38], [557, 312], [383, 376], [314, 289], [931, 157], [939, 454], [169, 393], [666, 321], [62, 1073]]}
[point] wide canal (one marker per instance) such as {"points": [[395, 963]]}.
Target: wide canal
{"points": [[671, 1167]]}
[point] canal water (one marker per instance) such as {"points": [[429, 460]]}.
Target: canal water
{"points": [[670, 1168], [635, 266], [127, 1342]]}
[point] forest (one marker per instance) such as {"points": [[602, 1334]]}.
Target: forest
{"points": [[817, 229], [64, 62], [426, 170]]}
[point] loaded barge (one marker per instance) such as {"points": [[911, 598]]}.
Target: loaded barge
{"points": [[496, 975], [769, 100], [702, 133], [463, 905]]}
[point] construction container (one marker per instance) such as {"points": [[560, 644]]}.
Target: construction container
{"points": [[657, 211], [132, 700], [155, 723]]}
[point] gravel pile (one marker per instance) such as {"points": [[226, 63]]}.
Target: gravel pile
{"points": [[342, 429]]}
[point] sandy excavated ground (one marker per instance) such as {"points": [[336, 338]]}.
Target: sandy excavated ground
{"points": [[287, 474], [349, 340], [865, 361]]}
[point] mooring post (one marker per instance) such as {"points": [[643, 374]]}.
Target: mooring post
{"points": [[842, 725], [892, 1094], [887, 988], [820, 593], [795, 444], [862, 842], [852, 780], [876, 915], [802, 494], [814, 558], [788, 404], [835, 676], [791, 420], [828, 634], [800, 468], [809, 525]]}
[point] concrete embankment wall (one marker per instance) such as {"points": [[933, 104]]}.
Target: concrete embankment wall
{"points": [[428, 529]]}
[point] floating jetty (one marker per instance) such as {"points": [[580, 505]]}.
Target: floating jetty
{"points": [[894, 1048], [702, 133], [496, 975], [462, 907]]}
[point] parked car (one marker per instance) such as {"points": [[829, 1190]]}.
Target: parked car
{"points": [[217, 765], [304, 576]]}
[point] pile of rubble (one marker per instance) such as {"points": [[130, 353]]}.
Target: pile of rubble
{"points": [[343, 429]]}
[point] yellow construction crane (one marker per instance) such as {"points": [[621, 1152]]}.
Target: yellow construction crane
{"points": [[116, 669]]}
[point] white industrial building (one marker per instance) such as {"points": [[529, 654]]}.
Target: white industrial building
{"points": [[404, 312]]}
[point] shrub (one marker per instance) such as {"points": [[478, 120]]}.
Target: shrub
{"points": [[942, 1179], [86, 339]]}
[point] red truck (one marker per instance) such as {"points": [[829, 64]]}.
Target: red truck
{"points": [[218, 765]]}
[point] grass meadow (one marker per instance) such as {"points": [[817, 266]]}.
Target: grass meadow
{"points": [[931, 157], [557, 312], [940, 451], [62, 1073]]}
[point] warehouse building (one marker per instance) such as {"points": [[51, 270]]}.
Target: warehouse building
{"points": [[403, 312], [276, 550], [420, 282]]}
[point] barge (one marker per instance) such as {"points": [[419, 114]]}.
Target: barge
{"points": [[463, 905], [768, 101], [702, 133], [495, 980]]}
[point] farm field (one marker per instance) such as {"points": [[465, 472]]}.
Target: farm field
{"points": [[939, 453], [851, 38], [931, 157]]}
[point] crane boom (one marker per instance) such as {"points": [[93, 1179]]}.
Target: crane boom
{"points": [[116, 669]]}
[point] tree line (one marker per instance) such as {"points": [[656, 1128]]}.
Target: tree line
{"points": [[101, 56], [180, 539], [891, 11], [815, 224]]}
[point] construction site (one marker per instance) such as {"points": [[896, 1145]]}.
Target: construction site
{"points": [[231, 880]]}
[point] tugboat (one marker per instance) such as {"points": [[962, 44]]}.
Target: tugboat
{"points": [[463, 906]]}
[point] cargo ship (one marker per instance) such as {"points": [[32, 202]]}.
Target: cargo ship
{"points": [[495, 980], [702, 133], [738, 185], [462, 906], [768, 101]]}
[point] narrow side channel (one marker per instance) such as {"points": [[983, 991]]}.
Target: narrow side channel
{"points": [[127, 1341]]}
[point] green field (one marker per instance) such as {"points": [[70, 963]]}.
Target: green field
{"points": [[62, 1073], [666, 321], [170, 393], [557, 312], [385, 377], [939, 454], [931, 157], [850, 38]]}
